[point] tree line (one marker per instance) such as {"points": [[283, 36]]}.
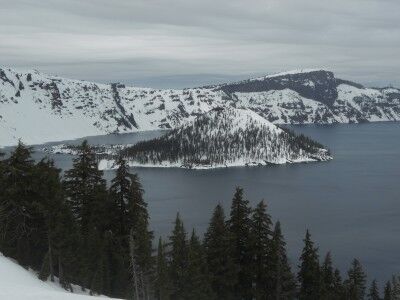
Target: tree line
{"points": [[79, 231]]}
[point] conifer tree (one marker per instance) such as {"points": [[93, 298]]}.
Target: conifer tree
{"points": [[85, 188], [161, 283], [49, 195], [86, 195], [373, 293], [17, 211], [120, 194], [355, 284], [198, 277], [219, 251], [179, 261], [338, 287], [101, 282], [388, 291], [67, 248], [395, 287], [261, 238], [240, 229], [309, 274], [327, 278], [281, 283], [138, 222]]}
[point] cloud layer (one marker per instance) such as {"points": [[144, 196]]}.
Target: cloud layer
{"points": [[186, 42]]}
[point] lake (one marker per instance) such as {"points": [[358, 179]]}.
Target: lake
{"points": [[351, 205]]}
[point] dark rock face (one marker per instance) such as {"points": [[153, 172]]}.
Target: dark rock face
{"points": [[4, 78], [316, 85]]}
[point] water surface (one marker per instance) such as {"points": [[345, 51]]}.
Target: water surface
{"points": [[351, 205]]}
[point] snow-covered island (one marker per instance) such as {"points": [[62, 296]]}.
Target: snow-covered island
{"points": [[223, 137]]}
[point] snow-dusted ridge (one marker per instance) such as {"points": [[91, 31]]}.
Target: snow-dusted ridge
{"points": [[222, 138], [39, 108]]}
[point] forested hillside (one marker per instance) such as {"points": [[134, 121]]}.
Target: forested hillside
{"points": [[83, 232], [223, 138]]}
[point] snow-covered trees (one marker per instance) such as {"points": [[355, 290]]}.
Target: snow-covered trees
{"points": [[225, 137]]}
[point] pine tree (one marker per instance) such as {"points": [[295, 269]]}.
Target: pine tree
{"points": [[373, 291], [179, 261], [198, 277], [395, 287], [49, 195], [18, 215], [101, 282], [85, 188], [120, 193], [161, 283], [240, 230], [309, 274], [388, 291], [337, 286], [219, 254], [66, 243], [138, 222], [261, 243], [86, 194], [281, 283], [327, 278], [355, 284]]}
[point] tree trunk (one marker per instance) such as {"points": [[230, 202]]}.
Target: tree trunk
{"points": [[51, 267], [135, 277], [278, 280]]}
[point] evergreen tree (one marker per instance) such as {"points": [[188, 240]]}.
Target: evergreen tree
{"points": [[101, 282], [198, 277], [261, 235], [281, 283], [179, 261], [161, 283], [66, 243], [86, 194], [388, 291], [327, 278], [355, 284], [395, 287], [120, 194], [240, 230], [218, 249], [138, 222], [309, 274], [373, 291], [49, 202], [18, 214], [86, 189], [337, 286]]}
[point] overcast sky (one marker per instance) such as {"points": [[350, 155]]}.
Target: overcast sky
{"points": [[179, 43]]}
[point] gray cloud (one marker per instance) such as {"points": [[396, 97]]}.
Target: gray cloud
{"points": [[189, 42]]}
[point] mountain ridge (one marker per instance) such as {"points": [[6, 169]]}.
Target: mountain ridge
{"points": [[39, 108]]}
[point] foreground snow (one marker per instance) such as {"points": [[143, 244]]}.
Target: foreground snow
{"points": [[17, 283]]}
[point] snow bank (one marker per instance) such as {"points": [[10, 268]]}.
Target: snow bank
{"points": [[17, 283]]}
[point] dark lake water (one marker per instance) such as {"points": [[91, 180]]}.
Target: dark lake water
{"points": [[351, 205]]}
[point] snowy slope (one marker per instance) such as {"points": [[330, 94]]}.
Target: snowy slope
{"points": [[17, 283], [223, 138], [40, 108]]}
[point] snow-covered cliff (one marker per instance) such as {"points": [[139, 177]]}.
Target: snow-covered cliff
{"points": [[38, 108]]}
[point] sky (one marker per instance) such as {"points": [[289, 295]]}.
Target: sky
{"points": [[183, 43]]}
